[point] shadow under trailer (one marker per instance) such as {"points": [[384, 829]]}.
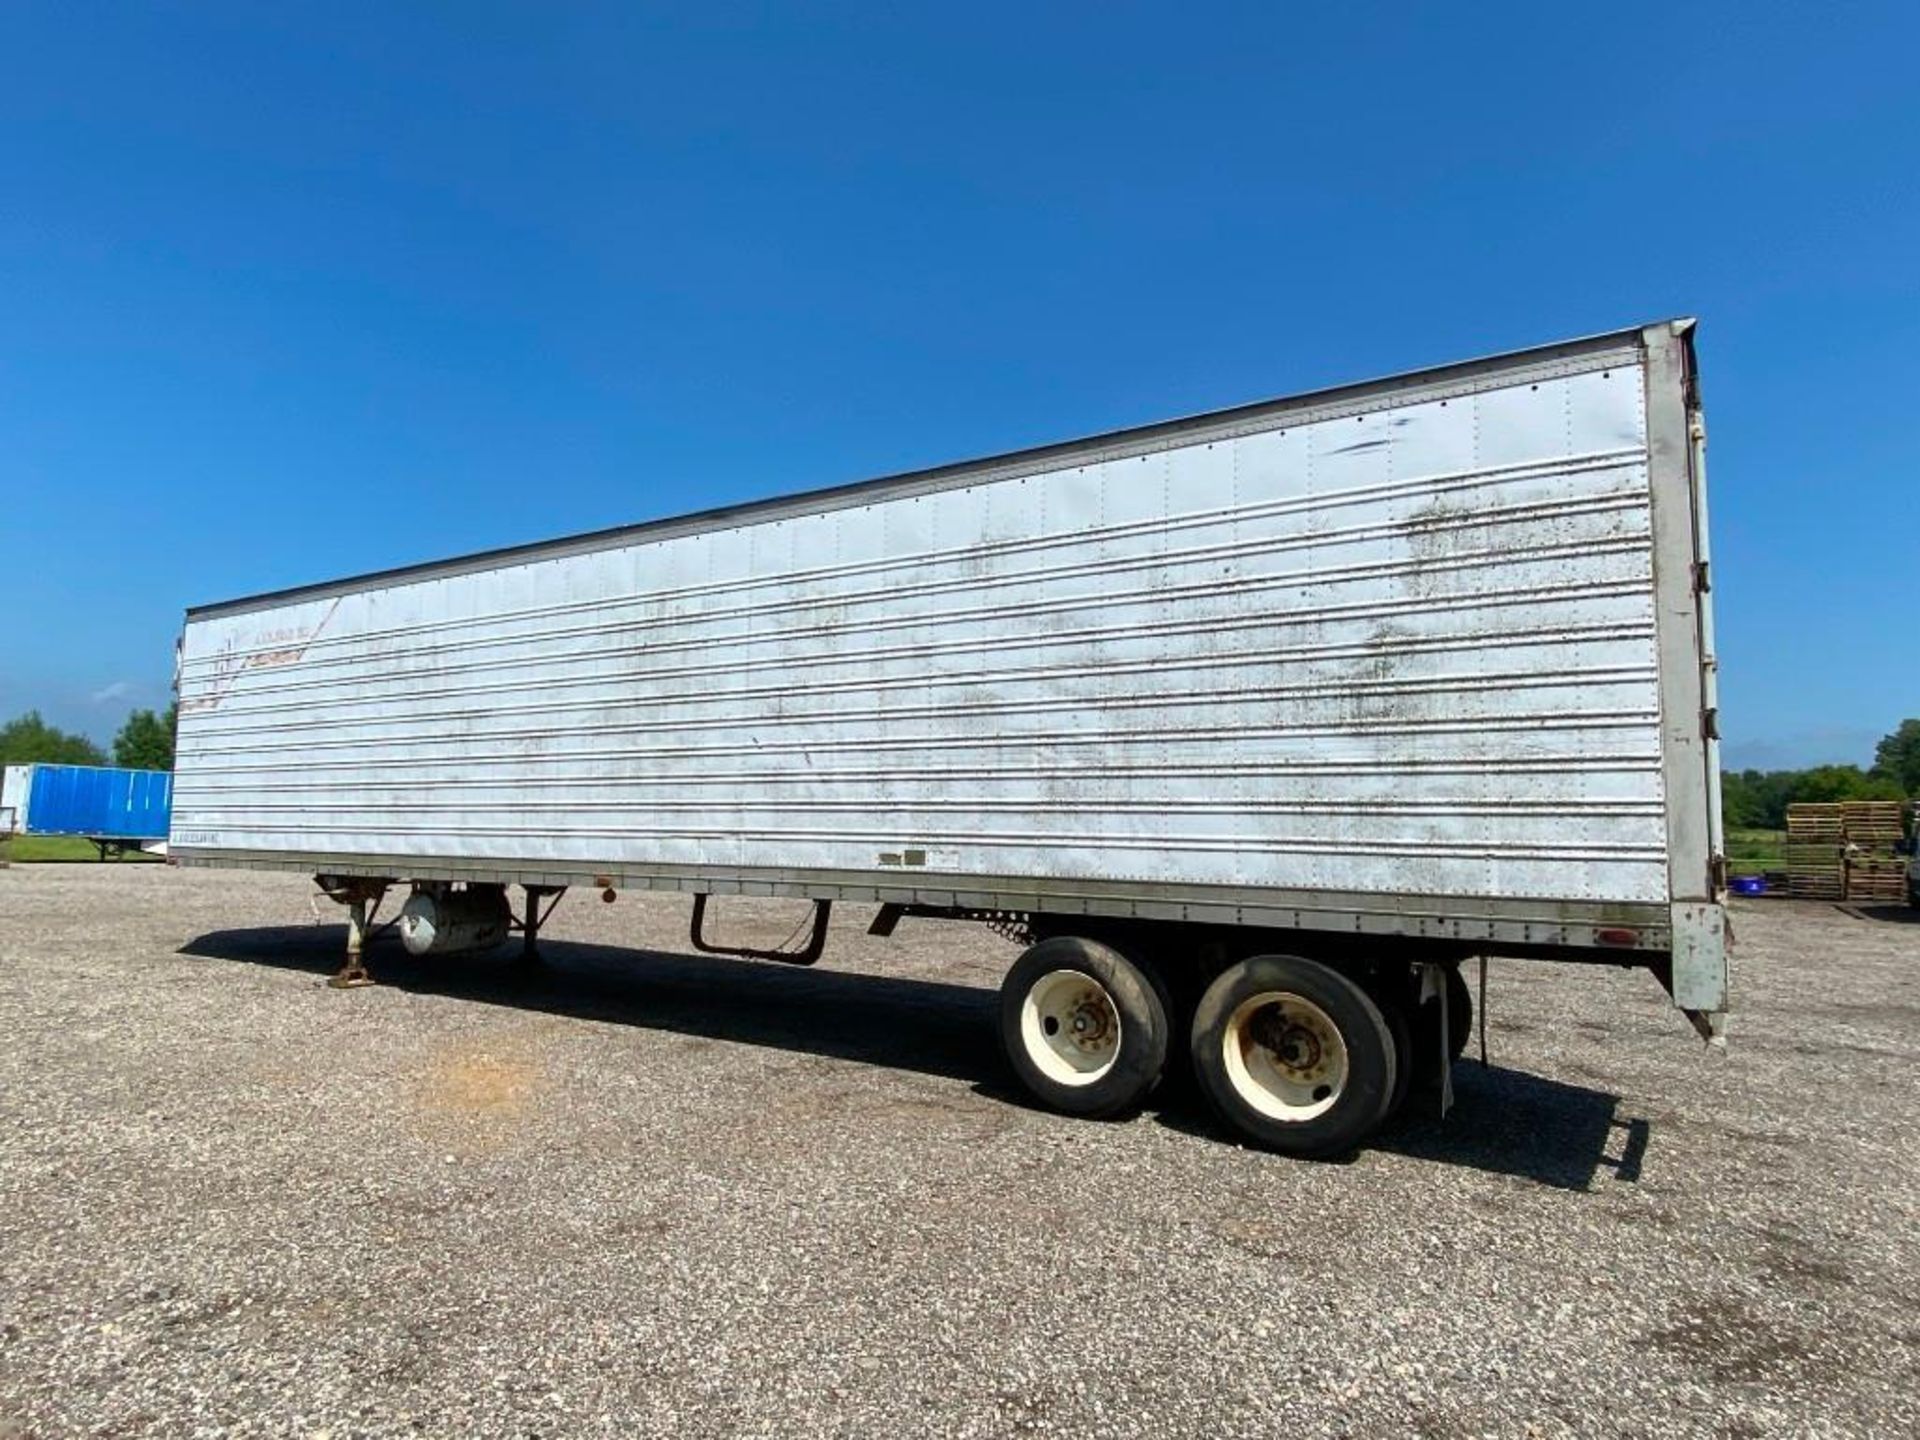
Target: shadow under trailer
{"points": [[1252, 727]]}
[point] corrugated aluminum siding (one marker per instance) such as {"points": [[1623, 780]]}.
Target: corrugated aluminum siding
{"points": [[1397, 643]]}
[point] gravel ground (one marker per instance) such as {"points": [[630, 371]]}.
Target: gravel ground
{"points": [[645, 1193]]}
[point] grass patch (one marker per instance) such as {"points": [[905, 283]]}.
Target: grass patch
{"points": [[40, 849], [1749, 851]]}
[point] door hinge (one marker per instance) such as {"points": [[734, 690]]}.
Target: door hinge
{"points": [[1710, 723], [1702, 581]]}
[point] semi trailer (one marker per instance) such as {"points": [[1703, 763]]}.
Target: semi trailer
{"points": [[116, 808], [1250, 728]]}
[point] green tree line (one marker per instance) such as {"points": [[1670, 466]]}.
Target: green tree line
{"points": [[1758, 799], [144, 742]]}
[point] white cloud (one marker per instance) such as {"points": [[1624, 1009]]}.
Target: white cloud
{"points": [[118, 690]]}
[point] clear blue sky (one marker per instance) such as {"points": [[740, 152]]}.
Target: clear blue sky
{"points": [[292, 291]]}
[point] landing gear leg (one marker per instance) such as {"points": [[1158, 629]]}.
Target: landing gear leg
{"points": [[534, 918], [362, 899], [354, 973]]}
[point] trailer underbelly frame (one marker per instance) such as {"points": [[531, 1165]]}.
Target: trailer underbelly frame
{"points": [[1575, 924]]}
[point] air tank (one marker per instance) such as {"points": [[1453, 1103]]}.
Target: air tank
{"points": [[443, 922]]}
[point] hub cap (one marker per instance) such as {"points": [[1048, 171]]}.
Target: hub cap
{"points": [[1284, 1056], [1070, 1027]]}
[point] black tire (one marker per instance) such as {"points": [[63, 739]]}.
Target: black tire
{"points": [[1395, 1015], [1177, 999], [1079, 1075], [1340, 1103], [1459, 1014], [1423, 1022]]}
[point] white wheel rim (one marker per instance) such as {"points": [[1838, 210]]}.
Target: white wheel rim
{"points": [[1284, 1056], [1070, 1027]]}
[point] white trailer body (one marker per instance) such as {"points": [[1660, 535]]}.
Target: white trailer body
{"points": [[16, 784], [1425, 657]]}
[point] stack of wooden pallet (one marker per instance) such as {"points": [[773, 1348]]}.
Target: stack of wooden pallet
{"points": [[1844, 851], [1816, 852], [1874, 871]]}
